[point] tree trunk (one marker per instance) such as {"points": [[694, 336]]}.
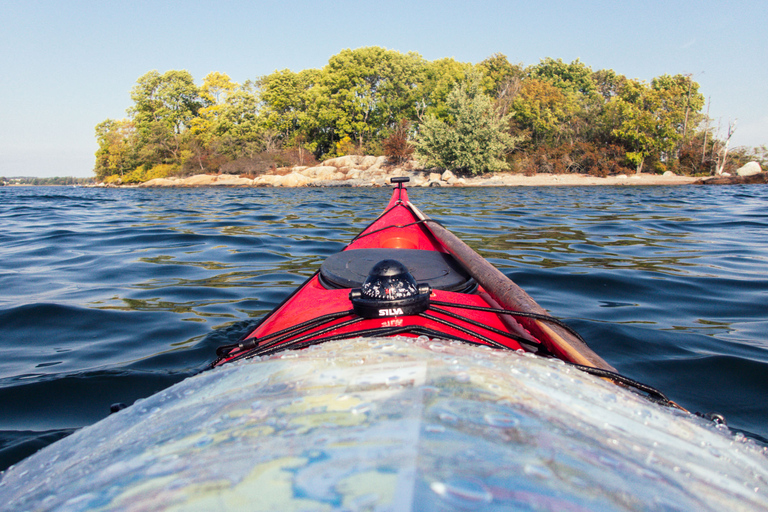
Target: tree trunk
{"points": [[731, 129]]}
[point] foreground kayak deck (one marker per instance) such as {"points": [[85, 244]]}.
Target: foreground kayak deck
{"points": [[394, 424]]}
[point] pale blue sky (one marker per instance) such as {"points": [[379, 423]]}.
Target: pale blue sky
{"points": [[66, 66]]}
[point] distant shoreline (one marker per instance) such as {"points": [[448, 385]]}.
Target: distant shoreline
{"points": [[371, 171], [497, 180]]}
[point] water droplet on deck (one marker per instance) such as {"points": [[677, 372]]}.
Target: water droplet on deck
{"points": [[537, 471], [463, 492], [501, 420]]}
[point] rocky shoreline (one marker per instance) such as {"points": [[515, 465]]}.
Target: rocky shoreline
{"points": [[371, 171]]}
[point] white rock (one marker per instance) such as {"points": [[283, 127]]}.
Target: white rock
{"points": [[320, 171], [344, 161], [295, 179], [232, 181], [749, 169], [433, 176], [372, 174], [266, 179], [200, 180], [669, 173], [622, 176], [367, 162], [380, 160], [447, 175], [160, 182]]}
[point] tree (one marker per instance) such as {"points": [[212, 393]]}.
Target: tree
{"points": [[216, 88], [116, 153], [207, 127], [239, 129], [285, 98], [678, 103], [364, 92], [542, 110], [631, 114], [474, 141], [440, 78], [171, 98], [573, 77], [722, 154], [164, 107], [651, 120]]}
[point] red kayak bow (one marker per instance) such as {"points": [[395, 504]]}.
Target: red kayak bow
{"points": [[407, 275]]}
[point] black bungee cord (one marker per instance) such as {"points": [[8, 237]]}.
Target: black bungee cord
{"points": [[304, 334]]}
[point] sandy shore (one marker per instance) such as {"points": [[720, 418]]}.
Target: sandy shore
{"points": [[539, 180], [372, 171], [382, 179]]}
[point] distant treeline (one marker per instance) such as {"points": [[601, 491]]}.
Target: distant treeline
{"points": [[30, 180], [549, 117]]}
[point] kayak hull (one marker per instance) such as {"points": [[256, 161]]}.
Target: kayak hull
{"points": [[394, 424]]}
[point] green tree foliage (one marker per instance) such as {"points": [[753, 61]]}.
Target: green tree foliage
{"points": [[651, 120], [574, 77], [362, 93], [476, 138], [541, 110], [239, 130], [439, 79], [285, 97], [164, 107], [117, 153], [562, 117]]}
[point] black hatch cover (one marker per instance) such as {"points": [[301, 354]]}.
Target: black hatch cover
{"points": [[349, 269]]}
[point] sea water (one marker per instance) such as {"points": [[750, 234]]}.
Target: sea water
{"points": [[110, 295]]}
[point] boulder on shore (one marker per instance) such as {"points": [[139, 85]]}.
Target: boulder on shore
{"points": [[161, 182], [232, 180], [199, 180], [749, 169]]}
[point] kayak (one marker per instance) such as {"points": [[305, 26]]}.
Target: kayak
{"points": [[406, 374], [407, 275]]}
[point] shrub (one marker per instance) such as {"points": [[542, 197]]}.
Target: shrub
{"points": [[580, 157], [345, 147], [476, 139], [140, 174], [397, 147]]}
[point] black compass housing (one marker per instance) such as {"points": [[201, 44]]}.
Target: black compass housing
{"points": [[389, 291]]}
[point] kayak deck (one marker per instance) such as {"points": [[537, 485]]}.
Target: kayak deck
{"points": [[394, 424]]}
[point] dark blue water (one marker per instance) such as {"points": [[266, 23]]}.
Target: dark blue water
{"points": [[107, 296]]}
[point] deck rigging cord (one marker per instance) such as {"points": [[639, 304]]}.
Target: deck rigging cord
{"points": [[316, 331]]}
